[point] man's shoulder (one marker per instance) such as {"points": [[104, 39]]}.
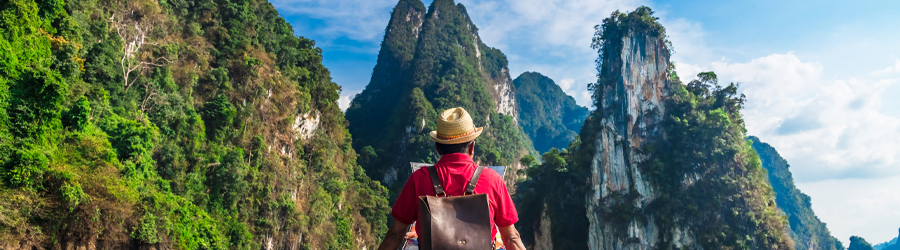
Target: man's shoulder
{"points": [[491, 175], [419, 173]]}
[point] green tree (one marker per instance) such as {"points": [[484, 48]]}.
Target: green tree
{"points": [[226, 180], [78, 116], [527, 161], [219, 115], [25, 168], [858, 243]]}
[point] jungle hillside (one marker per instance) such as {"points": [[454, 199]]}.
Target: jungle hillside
{"points": [[173, 124]]}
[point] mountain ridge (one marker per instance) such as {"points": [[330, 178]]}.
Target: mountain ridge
{"points": [[549, 116], [807, 230], [893, 244], [449, 67], [177, 124]]}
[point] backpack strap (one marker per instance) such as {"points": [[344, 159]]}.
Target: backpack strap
{"points": [[436, 181], [470, 189]]}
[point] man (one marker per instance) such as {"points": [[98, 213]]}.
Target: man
{"points": [[455, 141]]}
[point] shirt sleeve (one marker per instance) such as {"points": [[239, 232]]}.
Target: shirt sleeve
{"points": [[405, 209], [506, 214]]}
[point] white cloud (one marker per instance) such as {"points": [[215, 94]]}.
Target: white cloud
{"points": [[568, 23], [578, 91], [344, 101], [889, 70], [548, 36], [864, 207], [826, 128], [687, 71], [361, 20], [842, 150], [583, 97], [687, 41], [552, 37], [566, 84]]}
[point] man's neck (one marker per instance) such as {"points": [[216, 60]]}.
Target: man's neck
{"points": [[456, 157]]}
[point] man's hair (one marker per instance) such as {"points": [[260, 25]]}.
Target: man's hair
{"points": [[453, 148]]}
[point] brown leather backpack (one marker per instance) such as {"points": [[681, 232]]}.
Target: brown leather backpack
{"points": [[462, 222]]}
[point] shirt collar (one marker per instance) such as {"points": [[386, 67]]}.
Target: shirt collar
{"points": [[455, 158]]}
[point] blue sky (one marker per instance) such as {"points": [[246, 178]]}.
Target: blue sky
{"points": [[821, 77]]}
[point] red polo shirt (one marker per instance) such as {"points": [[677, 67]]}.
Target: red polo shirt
{"points": [[454, 171]]}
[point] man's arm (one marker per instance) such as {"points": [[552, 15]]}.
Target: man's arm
{"points": [[395, 236], [404, 210], [510, 238]]}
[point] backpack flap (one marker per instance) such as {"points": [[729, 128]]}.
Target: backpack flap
{"points": [[457, 223]]}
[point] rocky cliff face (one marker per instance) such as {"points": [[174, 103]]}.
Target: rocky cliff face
{"points": [[542, 233], [493, 64], [667, 164], [630, 112], [503, 94]]}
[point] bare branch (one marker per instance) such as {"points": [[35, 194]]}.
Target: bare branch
{"points": [[152, 64], [164, 58], [151, 92], [133, 32]]}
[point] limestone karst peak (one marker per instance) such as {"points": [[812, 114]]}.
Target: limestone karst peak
{"points": [[445, 65]]}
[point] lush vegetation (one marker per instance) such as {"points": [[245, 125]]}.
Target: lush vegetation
{"points": [[730, 204], [169, 124], [556, 188], [807, 230], [549, 116], [858, 243], [707, 177], [388, 83], [418, 77]]}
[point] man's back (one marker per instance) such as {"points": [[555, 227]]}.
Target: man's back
{"points": [[454, 139], [454, 171]]}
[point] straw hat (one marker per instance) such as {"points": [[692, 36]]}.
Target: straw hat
{"points": [[455, 126]]}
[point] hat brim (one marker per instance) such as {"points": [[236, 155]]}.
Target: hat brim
{"points": [[457, 140]]}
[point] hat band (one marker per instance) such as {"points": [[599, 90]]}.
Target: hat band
{"points": [[455, 136]]}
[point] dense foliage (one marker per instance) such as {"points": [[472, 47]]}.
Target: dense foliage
{"points": [[127, 124], [556, 188], [417, 77], [549, 116], [388, 83], [858, 243], [707, 179], [729, 203], [807, 230]]}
